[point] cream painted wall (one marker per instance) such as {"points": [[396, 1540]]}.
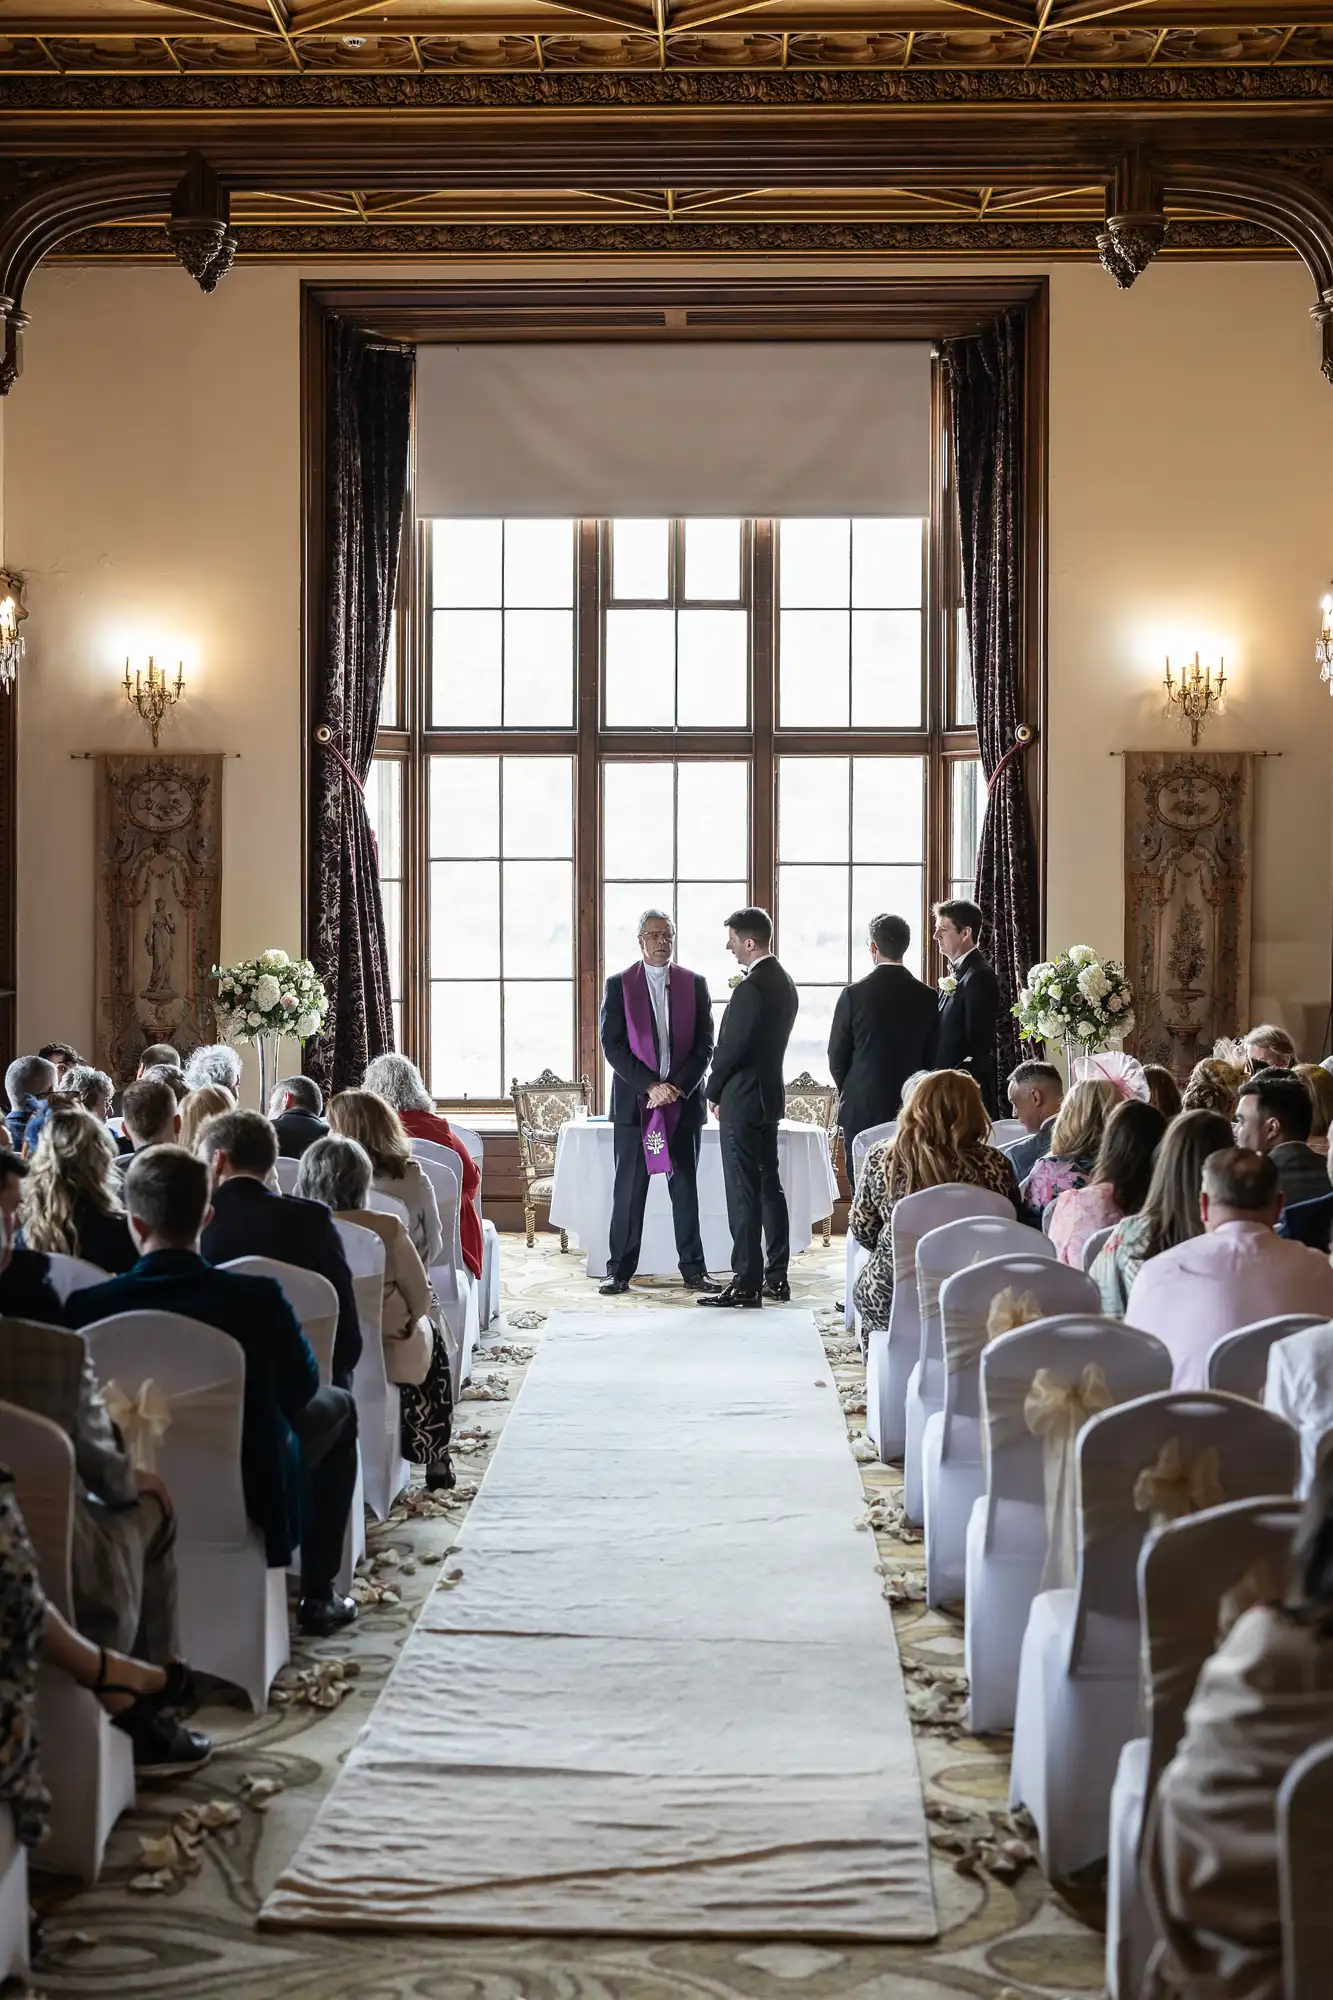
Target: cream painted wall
{"points": [[151, 485]]}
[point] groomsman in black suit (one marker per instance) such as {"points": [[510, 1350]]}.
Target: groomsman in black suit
{"points": [[970, 1005], [884, 1029], [657, 1036], [747, 1089]]}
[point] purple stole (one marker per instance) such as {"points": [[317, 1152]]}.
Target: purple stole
{"points": [[658, 1125]]}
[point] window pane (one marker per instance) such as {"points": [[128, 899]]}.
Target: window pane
{"points": [[713, 560], [539, 806], [539, 563], [888, 891], [813, 669], [465, 670], [701, 942], [388, 718], [465, 562], [964, 694], [640, 669], [384, 808], [464, 919], [886, 669], [713, 656], [812, 922], [637, 841], [396, 1010], [967, 808], [392, 896], [465, 1040], [814, 562], [713, 838], [813, 808], [641, 559], [623, 903], [886, 563], [539, 669], [539, 1028], [538, 917], [888, 803], [464, 805], [808, 1047]]}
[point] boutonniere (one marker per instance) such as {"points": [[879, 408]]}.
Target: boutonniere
{"points": [[736, 979], [948, 985]]}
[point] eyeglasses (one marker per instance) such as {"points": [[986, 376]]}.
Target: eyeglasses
{"points": [[657, 937]]}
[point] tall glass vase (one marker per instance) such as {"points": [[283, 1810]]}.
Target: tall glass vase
{"points": [[270, 1047]]}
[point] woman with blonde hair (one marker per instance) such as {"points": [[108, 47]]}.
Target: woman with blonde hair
{"points": [[69, 1203], [374, 1124], [1320, 1086], [1214, 1085], [941, 1141], [1076, 1139], [199, 1107]]}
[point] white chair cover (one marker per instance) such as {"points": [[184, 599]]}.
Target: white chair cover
{"points": [[953, 1477], [1238, 1361], [855, 1258], [233, 1607], [310, 1296], [1078, 1679], [1304, 1815], [1007, 1132], [488, 1292], [891, 1354], [88, 1766], [72, 1274], [14, 1914], [454, 1284], [385, 1204], [1185, 1570], [286, 1171], [1095, 1244], [939, 1253], [384, 1469], [1008, 1534]]}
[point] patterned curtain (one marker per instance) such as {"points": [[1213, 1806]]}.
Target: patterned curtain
{"points": [[367, 437], [985, 377]]}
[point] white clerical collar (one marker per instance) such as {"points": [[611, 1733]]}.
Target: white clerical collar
{"points": [[659, 974]]}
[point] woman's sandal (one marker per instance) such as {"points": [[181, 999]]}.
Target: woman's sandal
{"points": [[162, 1745]]}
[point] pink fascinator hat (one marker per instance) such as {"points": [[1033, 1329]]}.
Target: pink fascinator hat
{"points": [[1113, 1066]]}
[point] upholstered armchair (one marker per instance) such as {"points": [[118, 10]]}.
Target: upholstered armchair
{"points": [[811, 1103], [540, 1109]]}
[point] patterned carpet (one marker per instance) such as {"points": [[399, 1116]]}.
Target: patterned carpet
{"points": [[175, 1919]]}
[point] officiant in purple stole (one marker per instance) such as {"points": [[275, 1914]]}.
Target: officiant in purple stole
{"points": [[657, 1037]]}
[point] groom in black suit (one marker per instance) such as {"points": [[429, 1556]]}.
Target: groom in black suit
{"points": [[747, 1089], [970, 1007], [885, 1027]]}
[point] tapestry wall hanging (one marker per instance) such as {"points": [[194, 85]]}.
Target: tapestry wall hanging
{"points": [[1189, 817], [159, 904]]}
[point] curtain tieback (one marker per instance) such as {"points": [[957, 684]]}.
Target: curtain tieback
{"points": [[1023, 739], [324, 738], [1171, 1489]]}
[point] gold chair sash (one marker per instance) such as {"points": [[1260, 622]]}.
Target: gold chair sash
{"points": [[144, 1419], [1056, 1411], [1010, 1309], [1171, 1488], [965, 1334]]}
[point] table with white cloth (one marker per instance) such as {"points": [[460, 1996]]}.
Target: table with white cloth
{"points": [[585, 1178]]}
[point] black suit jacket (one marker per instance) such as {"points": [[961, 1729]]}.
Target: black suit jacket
{"points": [[1304, 1222], [26, 1291], [747, 1082], [631, 1079], [281, 1374], [884, 1029], [298, 1129], [250, 1221], [969, 1017]]}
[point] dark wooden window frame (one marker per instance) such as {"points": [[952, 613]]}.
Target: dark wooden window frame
{"points": [[534, 308]]}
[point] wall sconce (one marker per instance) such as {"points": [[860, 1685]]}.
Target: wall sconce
{"points": [[1323, 645], [12, 609], [152, 697], [1195, 696]]}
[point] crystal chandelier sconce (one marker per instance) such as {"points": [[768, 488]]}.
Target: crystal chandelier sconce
{"points": [[1323, 645], [153, 696], [12, 609], [1195, 695]]}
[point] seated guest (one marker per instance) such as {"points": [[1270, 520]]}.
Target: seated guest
{"points": [[1237, 1272], [28, 1082], [26, 1291], [1319, 1083], [296, 1113], [1170, 1212], [941, 1137], [250, 1220], [1072, 1150], [338, 1172], [173, 1078], [71, 1201], [364, 1115], [1163, 1090], [149, 1114], [198, 1108], [1036, 1092], [1311, 1221], [290, 1421], [399, 1083], [1274, 1113], [1210, 1864], [61, 1058], [1212, 1086], [94, 1090], [1299, 1388], [1269, 1048], [1119, 1183], [157, 1054], [214, 1062]]}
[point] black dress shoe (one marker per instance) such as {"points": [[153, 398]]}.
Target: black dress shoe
{"points": [[318, 1616], [699, 1281], [731, 1295], [612, 1286], [779, 1289]]}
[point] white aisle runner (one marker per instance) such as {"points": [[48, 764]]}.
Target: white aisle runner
{"points": [[664, 1697]]}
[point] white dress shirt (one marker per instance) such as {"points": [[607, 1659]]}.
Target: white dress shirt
{"points": [[1227, 1278], [1300, 1388], [659, 995]]}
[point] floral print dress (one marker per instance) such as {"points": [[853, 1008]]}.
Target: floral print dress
{"points": [[882, 1185], [21, 1608]]}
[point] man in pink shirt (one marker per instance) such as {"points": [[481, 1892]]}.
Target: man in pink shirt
{"points": [[1237, 1272]]}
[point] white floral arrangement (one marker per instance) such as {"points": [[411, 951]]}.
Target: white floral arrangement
{"points": [[1076, 998], [271, 995]]}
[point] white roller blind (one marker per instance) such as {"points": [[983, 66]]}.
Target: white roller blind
{"points": [[614, 430]]}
